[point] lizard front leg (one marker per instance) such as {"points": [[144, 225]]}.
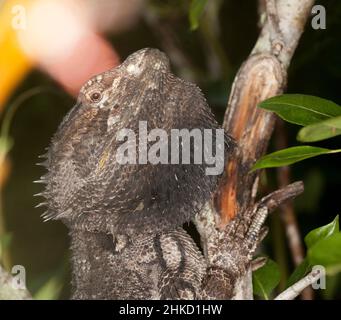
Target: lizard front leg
{"points": [[182, 266]]}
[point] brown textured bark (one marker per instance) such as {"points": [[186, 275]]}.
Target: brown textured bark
{"points": [[259, 78], [262, 76]]}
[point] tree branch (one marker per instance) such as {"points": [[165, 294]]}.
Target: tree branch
{"points": [[229, 261], [292, 292], [262, 75]]}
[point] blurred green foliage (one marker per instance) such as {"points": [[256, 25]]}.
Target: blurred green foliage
{"points": [[265, 279]]}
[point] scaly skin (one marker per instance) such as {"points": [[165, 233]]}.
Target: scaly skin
{"points": [[125, 220]]}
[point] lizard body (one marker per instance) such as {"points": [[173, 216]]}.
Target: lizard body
{"points": [[125, 220]]}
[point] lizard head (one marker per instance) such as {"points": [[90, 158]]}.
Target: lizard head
{"points": [[87, 188]]}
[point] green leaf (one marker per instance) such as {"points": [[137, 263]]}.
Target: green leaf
{"points": [[320, 130], [327, 253], [289, 156], [323, 232], [332, 287], [195, 12], [5, 146], [50, 290], [265, 279], [301, 109], [5, 240], [299, 272], [314, 185], [313, 240]]}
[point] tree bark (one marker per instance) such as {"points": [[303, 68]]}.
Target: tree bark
{"points": [[228, 225]]}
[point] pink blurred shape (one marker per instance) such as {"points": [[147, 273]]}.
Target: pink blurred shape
{"points": [[90, 55], [61, 38]]}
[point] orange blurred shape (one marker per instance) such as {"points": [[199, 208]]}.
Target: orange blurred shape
{"points": [[55, 34], [14, 64], [4, 171], [61, 37]]}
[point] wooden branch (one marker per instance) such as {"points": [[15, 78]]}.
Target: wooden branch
{"points": [[259, 78], [230, 260], [293, 291], [288, 214], [277, 198], [263, 75]]}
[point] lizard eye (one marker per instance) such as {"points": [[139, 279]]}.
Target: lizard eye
{"points": [[96, 96]]}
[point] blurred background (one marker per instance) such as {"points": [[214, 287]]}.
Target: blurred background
{"points": [[49, 48]]}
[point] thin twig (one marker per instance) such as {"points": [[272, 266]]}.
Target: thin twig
{"points": [[258, 263], [278, 197], [170, 44], [287, 213], [276, 36], [217, 61], [293, 291], [271, 202]]}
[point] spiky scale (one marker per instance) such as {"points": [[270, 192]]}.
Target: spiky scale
{"points": [[40, 194], [42, 164], [47, 216], [42, 204], [102, 201], [39, 181], [43, 156]]}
